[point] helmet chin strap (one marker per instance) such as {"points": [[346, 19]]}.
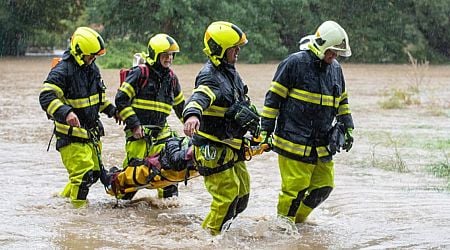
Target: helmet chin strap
{"points": [[149, 60], [213, 59], [316, 51], [78, 58]]}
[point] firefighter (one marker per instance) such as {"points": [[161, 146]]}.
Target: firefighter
{"points": [[217, 116], [72, 96], [144, 107], [306, 97]]}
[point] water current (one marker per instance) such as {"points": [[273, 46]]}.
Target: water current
{"points": [[372, 206]]}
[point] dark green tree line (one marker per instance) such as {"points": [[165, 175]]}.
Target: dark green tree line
{"points": [[380, 31], [39, 22]]}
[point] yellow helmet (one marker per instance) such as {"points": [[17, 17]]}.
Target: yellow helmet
{"points": [[219, 37], [329, 35], [158, 44], [86, 41]]}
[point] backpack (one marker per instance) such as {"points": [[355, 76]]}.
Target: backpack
{"points": [[55, 61], [143, 79], [138, 60]]}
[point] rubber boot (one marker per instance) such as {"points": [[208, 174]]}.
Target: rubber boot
{"points": [[169, 191], [66, 191], [302, 213]]}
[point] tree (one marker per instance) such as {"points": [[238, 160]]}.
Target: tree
{"points": [[22, 20], [433, 19]]}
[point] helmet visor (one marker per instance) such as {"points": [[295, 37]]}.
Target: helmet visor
{"points": [[102, 49], [342, 49]]}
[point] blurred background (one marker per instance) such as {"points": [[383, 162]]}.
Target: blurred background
{"points": [[380, 31]]}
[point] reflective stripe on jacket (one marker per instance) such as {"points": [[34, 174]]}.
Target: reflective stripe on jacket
{"points": [[216, 89], [150, 104], [70, 87], [304, 99]]}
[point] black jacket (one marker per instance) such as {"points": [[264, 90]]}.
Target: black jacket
{"points": [[216, 89], [70, 87], [150, 104], [305, 98]]}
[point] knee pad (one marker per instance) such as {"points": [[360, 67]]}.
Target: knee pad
{"points": [[317, 196], [296, 203], [96, 176], [241, 204], [89, 178], [231, 212]]}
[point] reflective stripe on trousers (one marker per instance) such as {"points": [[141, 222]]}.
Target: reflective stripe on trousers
{"points": [[229, 189], [297, 176], [78, 158]]}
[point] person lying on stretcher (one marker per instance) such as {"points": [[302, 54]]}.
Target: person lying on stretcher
{"points": [[174, 164]]}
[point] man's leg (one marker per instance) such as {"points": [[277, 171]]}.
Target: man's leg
{"points": [[81, 163], [244, 186], [223, 186], [322, 183], [295, 180]]}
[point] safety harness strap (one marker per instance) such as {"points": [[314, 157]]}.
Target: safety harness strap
{"points": [[205, 171]]}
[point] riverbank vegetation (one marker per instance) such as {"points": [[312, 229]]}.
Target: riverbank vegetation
{"points": [[380, 31]]}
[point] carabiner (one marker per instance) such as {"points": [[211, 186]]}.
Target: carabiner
{"points": [[209, 152]]}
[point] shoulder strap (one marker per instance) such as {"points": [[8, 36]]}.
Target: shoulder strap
{"points": [[173, 79], [143, 81]]}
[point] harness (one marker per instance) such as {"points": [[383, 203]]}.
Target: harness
{"points": [[209, 153], [151, 133], [77, 134], [94, 135]]}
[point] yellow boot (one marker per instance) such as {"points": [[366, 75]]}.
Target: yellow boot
{"points": [[67, 190], [302, 213], [79, 203]]}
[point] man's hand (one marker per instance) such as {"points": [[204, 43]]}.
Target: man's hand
{"points": [[348, 140], [191, 126], [266, 138], [72, 119], [138, 132]]}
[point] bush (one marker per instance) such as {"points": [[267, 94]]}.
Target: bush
{"points": [[119, 54]]}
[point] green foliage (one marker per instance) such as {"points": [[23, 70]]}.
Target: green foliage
{"points": [[389, 157], [380, 31], [441, 169], [440, 144], [432, 19], [119, 53], [25, 23], [399, 98], [391, 161]]}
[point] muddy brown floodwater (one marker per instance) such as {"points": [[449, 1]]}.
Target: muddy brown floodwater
{"points": [[384, 196]]}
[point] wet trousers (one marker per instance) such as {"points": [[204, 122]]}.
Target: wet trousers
{"points": [[229, 188], [81, 162], [303, 187], [140, 149]]}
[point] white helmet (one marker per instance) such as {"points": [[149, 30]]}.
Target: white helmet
{"points": [[329, 35]]}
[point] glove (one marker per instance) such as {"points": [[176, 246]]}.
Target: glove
{"points": [[266, 138], [348, 140], [336, 138], [244, 116]]}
